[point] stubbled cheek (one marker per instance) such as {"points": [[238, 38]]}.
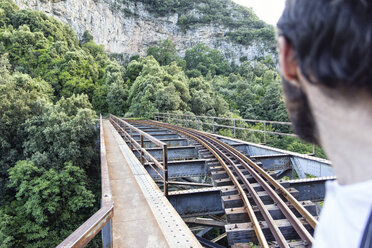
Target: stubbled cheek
{"points": [[300, 113]]}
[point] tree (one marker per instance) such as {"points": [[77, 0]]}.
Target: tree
{"points": [[86, 37], [157, 88], [42, 47], [204, 100], [62, 132], [99, 100], [18, 95], [165, 52], [115, 90], [117, 98], [206, 60], [167, 99], [49, 205]]}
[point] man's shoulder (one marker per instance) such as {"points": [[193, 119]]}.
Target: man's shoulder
{"points": [[367, 235], [343, 219]]}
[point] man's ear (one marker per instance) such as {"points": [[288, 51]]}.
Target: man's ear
{"points": [[287, 60]]}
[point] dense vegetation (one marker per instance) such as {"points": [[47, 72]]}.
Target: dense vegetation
{"points": [[53, 85], [48, 160]]}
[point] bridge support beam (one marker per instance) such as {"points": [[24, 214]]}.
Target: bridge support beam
{"points": [[312, 189], [197, 202], [174, 153], [169, 142], [275, 161], [186, 168]]}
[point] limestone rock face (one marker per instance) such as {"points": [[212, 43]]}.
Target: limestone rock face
{"points": [[128, 29]]}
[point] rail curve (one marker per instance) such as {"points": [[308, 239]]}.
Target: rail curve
{"points": [[231, 159]]}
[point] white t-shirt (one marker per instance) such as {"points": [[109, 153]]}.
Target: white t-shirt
{"points": [[344, 216]]}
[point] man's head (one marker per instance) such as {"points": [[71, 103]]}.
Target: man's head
{"points": [[325, 44]]}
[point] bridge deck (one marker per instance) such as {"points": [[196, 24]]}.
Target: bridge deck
{"points": [[143, 217]]}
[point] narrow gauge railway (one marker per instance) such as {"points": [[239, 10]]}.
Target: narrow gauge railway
{"points": [[269, 229]]}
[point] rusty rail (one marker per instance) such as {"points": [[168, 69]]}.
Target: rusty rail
{"points": [[145, 156], [220, 150], [102, 218]]}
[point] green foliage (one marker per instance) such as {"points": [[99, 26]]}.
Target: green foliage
{"points": [[226, 132], [254, 90], [299, 147], [117, 94], [165, 53], [62, 132], [49, 205], [38, 22], [167, 88], [47, 198], [206, 60], [18, 95], [246, 35], [42, 47], [204, 100], [117, 98], [87, 37], [157, 88], [99, 100], [41, 62], [7, 10]]}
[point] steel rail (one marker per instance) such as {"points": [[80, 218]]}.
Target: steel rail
{"points": [[246, 162], [297, 225], [304, 213], [308, 217], [256, 224], [219, 238], [265, 213]]}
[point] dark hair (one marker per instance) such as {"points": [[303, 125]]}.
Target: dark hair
{"points": [[332, 40]]}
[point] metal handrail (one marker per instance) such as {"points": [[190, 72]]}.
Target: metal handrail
{"points": [[134, 145], [228, 119], [146, 135], [102, 218], [265, 132], [138, 147], [240, 128]]}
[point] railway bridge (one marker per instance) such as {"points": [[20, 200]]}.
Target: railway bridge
{"points": [[168, 186]]}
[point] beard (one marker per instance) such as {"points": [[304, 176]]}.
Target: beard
{"points": [[300, 113]]}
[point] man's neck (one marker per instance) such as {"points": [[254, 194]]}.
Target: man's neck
{"points": [[345, 130]]}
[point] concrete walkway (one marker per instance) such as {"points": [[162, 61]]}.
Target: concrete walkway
{"points": [[143, 217]]}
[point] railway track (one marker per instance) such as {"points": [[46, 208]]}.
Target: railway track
{"points": [[249, 179]]}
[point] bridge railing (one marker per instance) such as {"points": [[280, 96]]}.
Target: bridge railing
{"points": [[200, 120], [101, 220], [145, 156]]}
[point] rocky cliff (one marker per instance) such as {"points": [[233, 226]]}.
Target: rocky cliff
{"points": [[128, 28]]}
